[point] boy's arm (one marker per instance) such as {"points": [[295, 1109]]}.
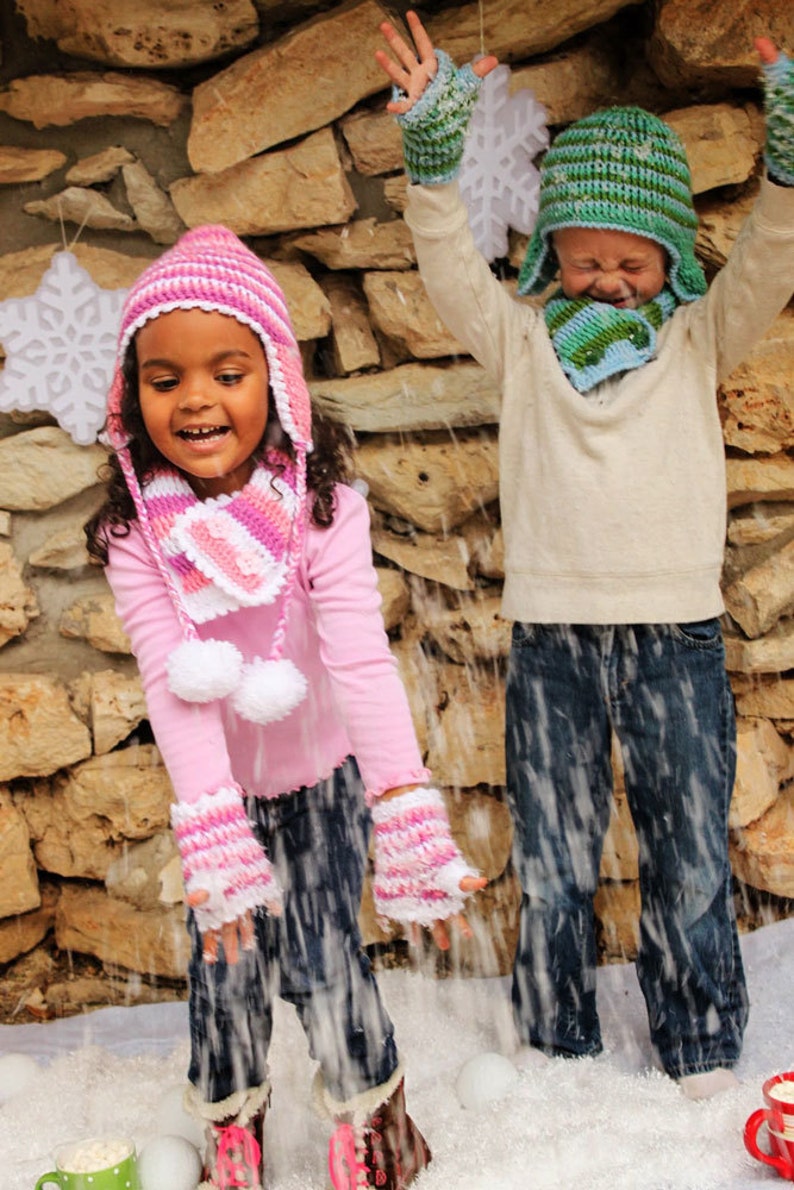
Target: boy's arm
{"points": [[754, 285], [758, 279], [474, 306], [432, 102]]}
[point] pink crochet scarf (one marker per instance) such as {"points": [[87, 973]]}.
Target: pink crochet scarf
{"points": [[231, 551]]}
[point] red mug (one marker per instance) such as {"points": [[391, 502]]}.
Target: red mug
{"points": [[778, 1094], [782, 1159], [778, 1116]]}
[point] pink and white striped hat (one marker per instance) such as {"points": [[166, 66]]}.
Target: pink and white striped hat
{"points": [[210, 269]]}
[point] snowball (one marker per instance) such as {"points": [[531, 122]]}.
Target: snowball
{"points": [[174, 1120], [17, 1072], [169, 1163], [484, 1079]]}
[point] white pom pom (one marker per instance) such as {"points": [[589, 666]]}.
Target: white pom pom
{"points": [[269, 690], [203, 670]]}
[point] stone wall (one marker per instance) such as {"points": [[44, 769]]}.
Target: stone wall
{"points": [[121, 124]]}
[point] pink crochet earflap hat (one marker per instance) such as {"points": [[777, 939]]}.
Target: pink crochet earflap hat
{"points": [[210, 269]]}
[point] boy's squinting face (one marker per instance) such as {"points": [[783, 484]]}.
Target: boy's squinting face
{"points": [[617, 267], [203, 391]]}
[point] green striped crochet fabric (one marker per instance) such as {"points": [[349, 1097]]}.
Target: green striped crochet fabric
{"points": [[779, 109], [594, 340], [434, 130], [623, 169]]}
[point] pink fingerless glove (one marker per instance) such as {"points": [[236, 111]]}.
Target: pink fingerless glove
{"points": [[221, 855], [418, 867]]}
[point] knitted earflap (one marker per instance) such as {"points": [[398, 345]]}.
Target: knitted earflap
{"points": [[210, 269], [622, 169]]}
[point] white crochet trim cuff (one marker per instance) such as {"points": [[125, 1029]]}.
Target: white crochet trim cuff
{"points": [[241, 1106], [358, 1107]]}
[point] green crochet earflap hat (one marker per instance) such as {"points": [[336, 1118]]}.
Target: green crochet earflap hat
{"points": [[622, 169]]}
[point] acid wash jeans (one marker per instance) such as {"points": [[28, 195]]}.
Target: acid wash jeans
{"points": [[664, 691], [311, 956]]}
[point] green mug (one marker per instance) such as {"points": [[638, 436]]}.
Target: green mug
{"points": [[96, 1164]]}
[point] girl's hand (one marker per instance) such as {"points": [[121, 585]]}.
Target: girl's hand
{"points": [[415, 68], [225, 870], [233, 935], [421, 878], [440, 930]]}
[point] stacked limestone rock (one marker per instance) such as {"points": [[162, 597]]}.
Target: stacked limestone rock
{"points": [[269, 118]]}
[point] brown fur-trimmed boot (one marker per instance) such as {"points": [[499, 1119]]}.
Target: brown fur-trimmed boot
{"points": [[233, 1129], [382, 1149]]}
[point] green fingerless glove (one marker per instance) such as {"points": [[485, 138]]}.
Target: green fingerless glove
{"points": [[434, 130], [779, 109]]}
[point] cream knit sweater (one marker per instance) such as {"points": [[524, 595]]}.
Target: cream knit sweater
{"points": [[613, 504]]}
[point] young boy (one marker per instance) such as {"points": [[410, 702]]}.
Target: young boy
{"points": [[613, 510]]}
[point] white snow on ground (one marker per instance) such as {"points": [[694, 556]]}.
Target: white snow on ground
{"points": [[611, 1123]]}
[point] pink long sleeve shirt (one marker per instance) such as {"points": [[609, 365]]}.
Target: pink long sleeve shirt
{"points": [[355, 705]]}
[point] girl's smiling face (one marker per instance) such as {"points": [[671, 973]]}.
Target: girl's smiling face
{"points": [[203, 391], [618, 267]]}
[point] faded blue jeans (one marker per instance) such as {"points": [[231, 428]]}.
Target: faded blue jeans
{"points": [[311, 956], [663, 689]]}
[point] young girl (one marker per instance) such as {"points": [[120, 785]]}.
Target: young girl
{"points": [[242, 571], [612, 477]]}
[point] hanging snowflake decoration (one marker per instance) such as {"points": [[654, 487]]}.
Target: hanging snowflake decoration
{"points": [[498, 181], [60, 346]]}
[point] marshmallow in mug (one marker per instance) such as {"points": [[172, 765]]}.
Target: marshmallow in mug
{"points": [[784, 1091], [91, 1155]]}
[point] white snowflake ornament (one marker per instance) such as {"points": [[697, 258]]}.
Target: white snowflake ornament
{"points": [[60, 347], [498, 182]]}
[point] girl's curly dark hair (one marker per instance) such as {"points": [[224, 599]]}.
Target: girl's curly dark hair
{"points": [[326, 466]]}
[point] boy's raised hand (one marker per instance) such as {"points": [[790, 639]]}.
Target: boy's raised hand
{"points": [[766, 50], [778, 79], [411, 69]]}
